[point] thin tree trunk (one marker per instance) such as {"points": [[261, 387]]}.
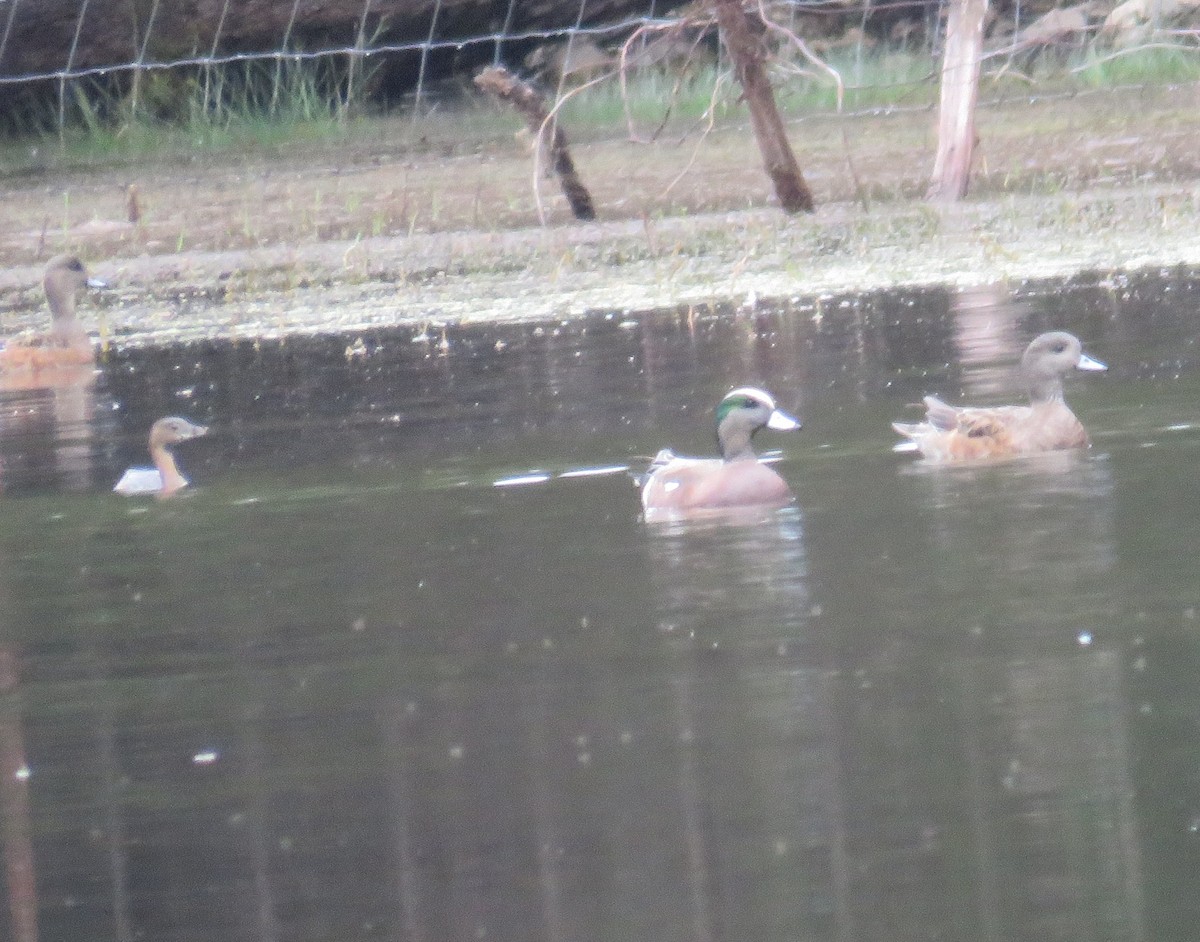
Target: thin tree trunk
{"points": [[960, 89], [742, 34]]}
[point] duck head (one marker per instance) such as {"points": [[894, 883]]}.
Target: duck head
{"points": [[743, 412], [66, 276], [1048, 358], [172, 430]]}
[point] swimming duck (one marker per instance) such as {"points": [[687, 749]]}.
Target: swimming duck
{"points": [[737, 478], [950, 433], [164, 479], [67, 342]]}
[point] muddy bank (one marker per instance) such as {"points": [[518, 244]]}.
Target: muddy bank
{"points": [[564, 271], [270, 248]]}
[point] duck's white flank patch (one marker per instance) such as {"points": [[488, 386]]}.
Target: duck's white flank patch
{"points": [[139, 481]]}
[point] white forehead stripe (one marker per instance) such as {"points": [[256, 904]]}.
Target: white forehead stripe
{"points": [[752, 392]]}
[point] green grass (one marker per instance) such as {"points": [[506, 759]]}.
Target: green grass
{"points": [[252, 107], [869, 80], [295, 106], [1149, 66], [648, 99]]}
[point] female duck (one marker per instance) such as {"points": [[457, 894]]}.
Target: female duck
{"points": [[67, 342], [950, 433], [164, 479], [736, 479]]}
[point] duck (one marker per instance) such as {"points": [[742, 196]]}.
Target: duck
{"points": [[677, 485], [954, 433], [164, 479], [66, 344]]}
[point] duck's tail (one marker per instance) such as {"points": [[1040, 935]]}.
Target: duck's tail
{"points": [[641, 474], [910, 432], [941, 415]]}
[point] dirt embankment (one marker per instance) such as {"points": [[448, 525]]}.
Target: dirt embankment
{"points": [[349, 237]]}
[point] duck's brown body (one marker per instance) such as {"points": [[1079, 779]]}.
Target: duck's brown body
{"points": [[951, 433], [66, 344], [675, 485], [164, 479], [683, 484], [971, 434], [38, 355]]}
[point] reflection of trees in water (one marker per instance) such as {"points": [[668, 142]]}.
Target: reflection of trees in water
{"points": [[748, 798], [987, 340], [48, 429], [1009, 815], [1046, 523], [258, 818], [111, 790], [16, 827], [748, 737], [397, 732], [756, 734], [984, 772], [473, 385], [305, 400]]}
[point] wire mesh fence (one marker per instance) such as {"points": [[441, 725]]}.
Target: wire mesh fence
{"points": [[373, 39], [446, 158], [65, 61]]}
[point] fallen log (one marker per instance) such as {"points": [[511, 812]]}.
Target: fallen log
{"points": [[531, 104]]}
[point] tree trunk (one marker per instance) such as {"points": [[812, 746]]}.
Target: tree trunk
{"points": [[742, 35], [960, 89]]}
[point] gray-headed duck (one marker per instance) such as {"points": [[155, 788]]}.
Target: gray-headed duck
{"points": [[164, 479], [951, 433], [66, 343], [675, 485]]}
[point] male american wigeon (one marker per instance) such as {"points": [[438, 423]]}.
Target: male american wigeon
{"points": [[164, 479], [737, 478], [66, 343], [951, 433]]}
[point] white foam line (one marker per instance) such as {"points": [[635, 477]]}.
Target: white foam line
{"points": [[594, 472], [537, 477]]}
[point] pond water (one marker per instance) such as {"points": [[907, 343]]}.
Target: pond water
{"points": [[347, 687]]}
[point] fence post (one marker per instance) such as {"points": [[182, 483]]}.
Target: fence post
{"points": [[960, 90], [746, 49]]}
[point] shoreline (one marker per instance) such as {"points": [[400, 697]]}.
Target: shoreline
{"points": [[566, 271], [358, 235]]}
